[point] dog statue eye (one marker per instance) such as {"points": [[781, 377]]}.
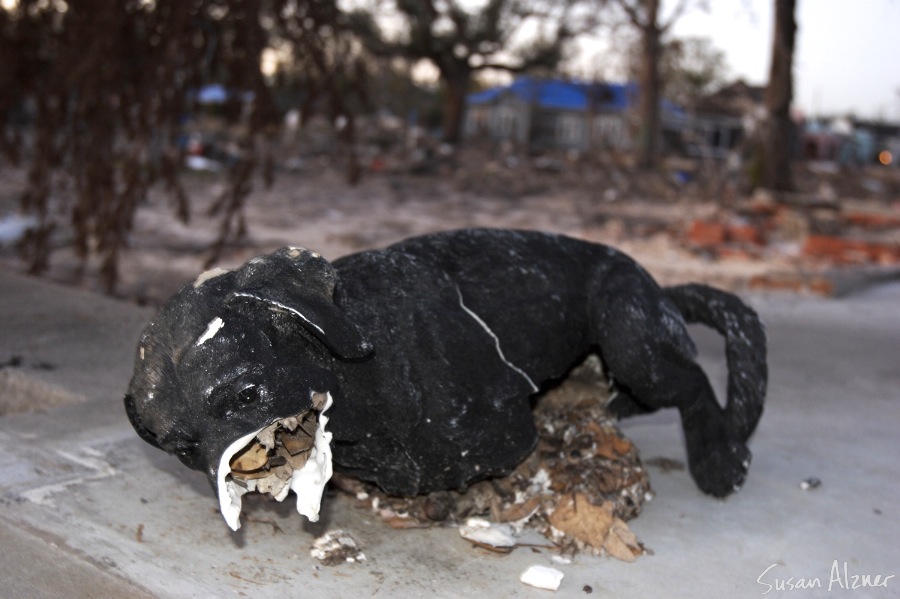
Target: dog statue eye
{"points": [[248, 395]]}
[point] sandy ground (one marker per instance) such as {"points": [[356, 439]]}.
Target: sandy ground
{"points": [[315, 208]]}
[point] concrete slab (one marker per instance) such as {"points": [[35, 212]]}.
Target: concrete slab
{"points": [[78, 488]]}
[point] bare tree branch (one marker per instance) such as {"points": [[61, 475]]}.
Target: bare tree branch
{"points": [[110, 82], [460, 39]]}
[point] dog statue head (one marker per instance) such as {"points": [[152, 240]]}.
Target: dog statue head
{"points": [[233, 377]]}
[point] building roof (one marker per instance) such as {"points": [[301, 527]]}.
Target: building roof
{"points": [[736, 99], [561, 94]]}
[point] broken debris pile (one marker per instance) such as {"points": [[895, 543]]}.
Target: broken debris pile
{"points": [[578, 487], [267, 463], [806, 238]]}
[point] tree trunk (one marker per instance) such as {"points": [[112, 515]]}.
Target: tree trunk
{"points": [[649, 132], [456, 87], [778, 131]]}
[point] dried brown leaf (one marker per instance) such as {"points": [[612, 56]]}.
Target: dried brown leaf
{"points": [[519, 511], [297, 443], [621, 543], [578, 518], [251, 459]]}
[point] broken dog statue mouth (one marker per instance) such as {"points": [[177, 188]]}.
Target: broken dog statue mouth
{"points": [[291, 454], [416, 369]]}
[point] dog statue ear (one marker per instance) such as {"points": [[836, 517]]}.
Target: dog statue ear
{"points": [[301, 283]]}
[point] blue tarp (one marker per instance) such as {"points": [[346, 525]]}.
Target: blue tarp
{"points": [[561, 94], [214, 93]]}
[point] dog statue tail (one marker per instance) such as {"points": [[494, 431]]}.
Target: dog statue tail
{"points": [[745, 349]]}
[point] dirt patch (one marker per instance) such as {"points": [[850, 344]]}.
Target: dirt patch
{"points": [[695, 231], [20, 392], [583, 468]]}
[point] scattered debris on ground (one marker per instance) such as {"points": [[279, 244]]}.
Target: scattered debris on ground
{"points": [[704, 228], [665, 464], [810, 483], [578, 487], [813, 237], [542, 577], [337, 547]]}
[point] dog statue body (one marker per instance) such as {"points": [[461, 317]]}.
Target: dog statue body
{"points": [[432, 351]]}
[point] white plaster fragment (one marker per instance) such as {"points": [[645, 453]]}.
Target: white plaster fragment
{"points": [[308, 483], [211, 329], [337, 545], [230, 492], [542, 577], [487, 329], [486, 533], [539, 483], [209, 274]]}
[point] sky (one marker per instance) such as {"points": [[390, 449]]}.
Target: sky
{"points": [[847, 57]]}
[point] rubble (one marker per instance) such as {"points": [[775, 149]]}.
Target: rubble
{"points": [[594, 527], [710, 229], [291, 453], [809, 240], [337, 547], [841, 250], [581, 457], [278, 450]]}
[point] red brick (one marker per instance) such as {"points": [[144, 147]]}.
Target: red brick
{"points": [[821, 286], [850, 251], [744, 234], [729, 252], [872, 220], [795, 283], [706, 235]]}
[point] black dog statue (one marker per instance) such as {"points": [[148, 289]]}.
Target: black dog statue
{"points": [[415, 367]]}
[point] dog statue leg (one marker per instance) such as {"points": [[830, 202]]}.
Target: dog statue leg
{"points": [[645, 346]]}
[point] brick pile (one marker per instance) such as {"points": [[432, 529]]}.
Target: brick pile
{"points": [[821, 237]]}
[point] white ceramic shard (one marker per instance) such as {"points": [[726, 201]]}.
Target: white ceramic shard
{"points": [[308, 482], [230, 492], [481, 531], [542, 577], [335, 547]]}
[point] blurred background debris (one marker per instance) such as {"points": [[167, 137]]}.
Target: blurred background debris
{"points": [[142, 140]]}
